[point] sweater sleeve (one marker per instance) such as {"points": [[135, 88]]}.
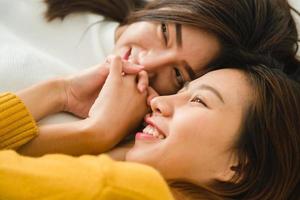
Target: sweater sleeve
{"points": [[17, 125], [87, 177]]}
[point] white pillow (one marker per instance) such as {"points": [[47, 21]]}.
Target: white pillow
{"points": [[296, 5]]}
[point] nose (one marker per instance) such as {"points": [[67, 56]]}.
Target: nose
{"points": [[162, 105]]}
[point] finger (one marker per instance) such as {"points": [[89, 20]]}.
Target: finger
{"points": [[143, 81], [151, 94], [128, 67], [109, 58], [116, 66], [131, 68], [101, 70]]}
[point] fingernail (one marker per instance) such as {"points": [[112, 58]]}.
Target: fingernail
{"points": [[142, 88]]}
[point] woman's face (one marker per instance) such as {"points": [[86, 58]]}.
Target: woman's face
{"points": [[190, 135], [171, 54]]}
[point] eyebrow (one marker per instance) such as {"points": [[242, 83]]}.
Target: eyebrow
{"points": [[178, 31], [188, 68], [213, 90]]}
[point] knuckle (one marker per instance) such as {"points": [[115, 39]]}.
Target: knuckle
{"points": [[143, 74]]}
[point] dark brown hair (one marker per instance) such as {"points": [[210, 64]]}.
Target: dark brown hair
{"points": [[249, 31], [270, 143], [246, 29], [269, 146], [117, 10]]}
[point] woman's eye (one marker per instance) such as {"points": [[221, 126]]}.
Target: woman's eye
{"points": [[164, 30], [196, 99], [179, 78]]}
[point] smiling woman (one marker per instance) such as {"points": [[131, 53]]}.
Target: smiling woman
{"points": [[237, 37], [225, 129], [170, 61], [227, 135], [188, 121], [175, 40], [230, 136]]}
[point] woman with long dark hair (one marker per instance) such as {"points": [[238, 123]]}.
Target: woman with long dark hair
{"points": [[250, 27], [231, 134], [205, 34], [174, 40]]}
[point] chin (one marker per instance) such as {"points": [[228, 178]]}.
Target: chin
{"points": [[136, 155], [133, 155]]}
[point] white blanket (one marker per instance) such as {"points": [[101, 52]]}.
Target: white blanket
{"points": [[32, 50]]}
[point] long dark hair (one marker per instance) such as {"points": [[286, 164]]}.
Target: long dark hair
{"points": [[269, 146], [249, 31], [117, 10], [246, 29]]}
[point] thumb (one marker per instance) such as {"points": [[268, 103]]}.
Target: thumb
{"points": [[116, 66]]}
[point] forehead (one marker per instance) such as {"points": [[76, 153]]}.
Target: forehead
{"points": [[199, 47], [232, 84]]}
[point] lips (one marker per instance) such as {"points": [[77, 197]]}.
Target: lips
{"points": [[153, 129], [127, 54]]}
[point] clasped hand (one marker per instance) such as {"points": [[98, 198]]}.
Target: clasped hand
{"points": [[82, 89], [111, 97]]}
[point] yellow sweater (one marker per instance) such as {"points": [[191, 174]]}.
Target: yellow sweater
{"points": [[17, 126], [57, 176], [87, 177]]}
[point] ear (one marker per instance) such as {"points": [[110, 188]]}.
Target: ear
{"points": [[229, 170]]}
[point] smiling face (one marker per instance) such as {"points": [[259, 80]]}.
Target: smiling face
{"points": [[171, 54], [190, 135]]}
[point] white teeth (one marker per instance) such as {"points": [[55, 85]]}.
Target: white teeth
{"points": [[153, 131]]}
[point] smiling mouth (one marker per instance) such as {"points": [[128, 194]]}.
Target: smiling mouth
{"points": [[153, 131], [127, 54]]}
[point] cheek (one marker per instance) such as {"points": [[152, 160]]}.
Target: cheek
{"points": [[187, 120], [194, 128], [192, 138], [139, 34]]}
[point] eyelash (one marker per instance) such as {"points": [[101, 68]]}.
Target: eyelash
{"points": [[164, 30], [179, 78], [198, 100]]}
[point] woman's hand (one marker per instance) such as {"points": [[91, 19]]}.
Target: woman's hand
{"points": [[119, 108], [82, 89]]}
